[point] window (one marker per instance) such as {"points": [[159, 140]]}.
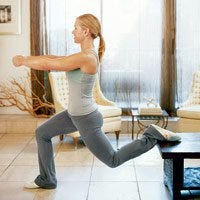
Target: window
{"points": [[132, 62], [187, 46]]}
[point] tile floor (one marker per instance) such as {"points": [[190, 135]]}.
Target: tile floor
{"points": [[80, 175]]}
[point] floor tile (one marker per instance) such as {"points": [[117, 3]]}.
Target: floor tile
{"points": [[74, 158], [7, 159], [149, 173], [56, 140], [2, 127], [16, 138], [122, 143], [26, 159], [20, 127], [65, 190], [113, 191], [150, 158], [20, 173], [30, 148], [11, 148], [2, 169], [123, 140], [33, 141], [68, 144], [73, 173], [153, 190], [121, 173], [15, 191], [79, 172], [97, 162]]}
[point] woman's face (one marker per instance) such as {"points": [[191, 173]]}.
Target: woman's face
{"points": [[78, 32]]}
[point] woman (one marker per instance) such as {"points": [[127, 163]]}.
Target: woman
{"points": [[82, 113]]}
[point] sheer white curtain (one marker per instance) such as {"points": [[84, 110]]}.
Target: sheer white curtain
{"points": [[132, 62], [188, 45], [133, 34], [61, 16]]}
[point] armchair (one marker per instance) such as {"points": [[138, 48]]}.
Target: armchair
{"points": [[189, 112], [111, 114]]}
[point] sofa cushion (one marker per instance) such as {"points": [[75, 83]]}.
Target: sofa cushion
{"points": [[188, 125], [194, 96], [112, 119], [111, 126], [109, 111], [192, 112]]}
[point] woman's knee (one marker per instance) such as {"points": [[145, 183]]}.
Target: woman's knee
{"points": [[112, 161], [41, 132], [112, 165]]}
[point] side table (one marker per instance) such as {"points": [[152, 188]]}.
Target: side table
{"points": [[177, 178], [163, 118]]}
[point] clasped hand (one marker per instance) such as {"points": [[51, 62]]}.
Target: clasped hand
{"points": [[18, 60]]}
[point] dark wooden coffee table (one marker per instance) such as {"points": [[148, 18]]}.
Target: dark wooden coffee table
{"points": [[176, 177]]}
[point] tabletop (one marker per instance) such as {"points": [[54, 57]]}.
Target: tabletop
{"points": [[188, 147], [135, 113]]}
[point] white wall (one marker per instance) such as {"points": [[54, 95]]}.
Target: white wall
{"points": [[10, 45]]}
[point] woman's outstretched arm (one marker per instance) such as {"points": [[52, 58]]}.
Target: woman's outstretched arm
{"points": [[62, 63]]}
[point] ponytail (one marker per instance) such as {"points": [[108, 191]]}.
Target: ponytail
{"points": [[101, 49]]}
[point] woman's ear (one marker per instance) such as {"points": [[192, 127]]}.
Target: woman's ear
{"points": [[87, 32]]}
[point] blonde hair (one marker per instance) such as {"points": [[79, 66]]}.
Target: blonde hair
{"points": [[92, 23]]}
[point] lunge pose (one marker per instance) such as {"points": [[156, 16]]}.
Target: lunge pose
{"points": [[82, 114]]}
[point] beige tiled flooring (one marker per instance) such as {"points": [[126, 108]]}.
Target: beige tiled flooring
{"points": [[80, 175]]}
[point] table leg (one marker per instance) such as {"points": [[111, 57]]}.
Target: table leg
{"points": [[166, 122], [173, 176], [141, 127], [132, 135]]}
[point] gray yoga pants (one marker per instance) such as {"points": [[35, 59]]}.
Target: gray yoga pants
{"points": [[97, 142]]}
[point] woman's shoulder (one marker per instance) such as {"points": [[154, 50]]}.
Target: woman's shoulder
{"points": [[92, 54], [92, 66]]}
